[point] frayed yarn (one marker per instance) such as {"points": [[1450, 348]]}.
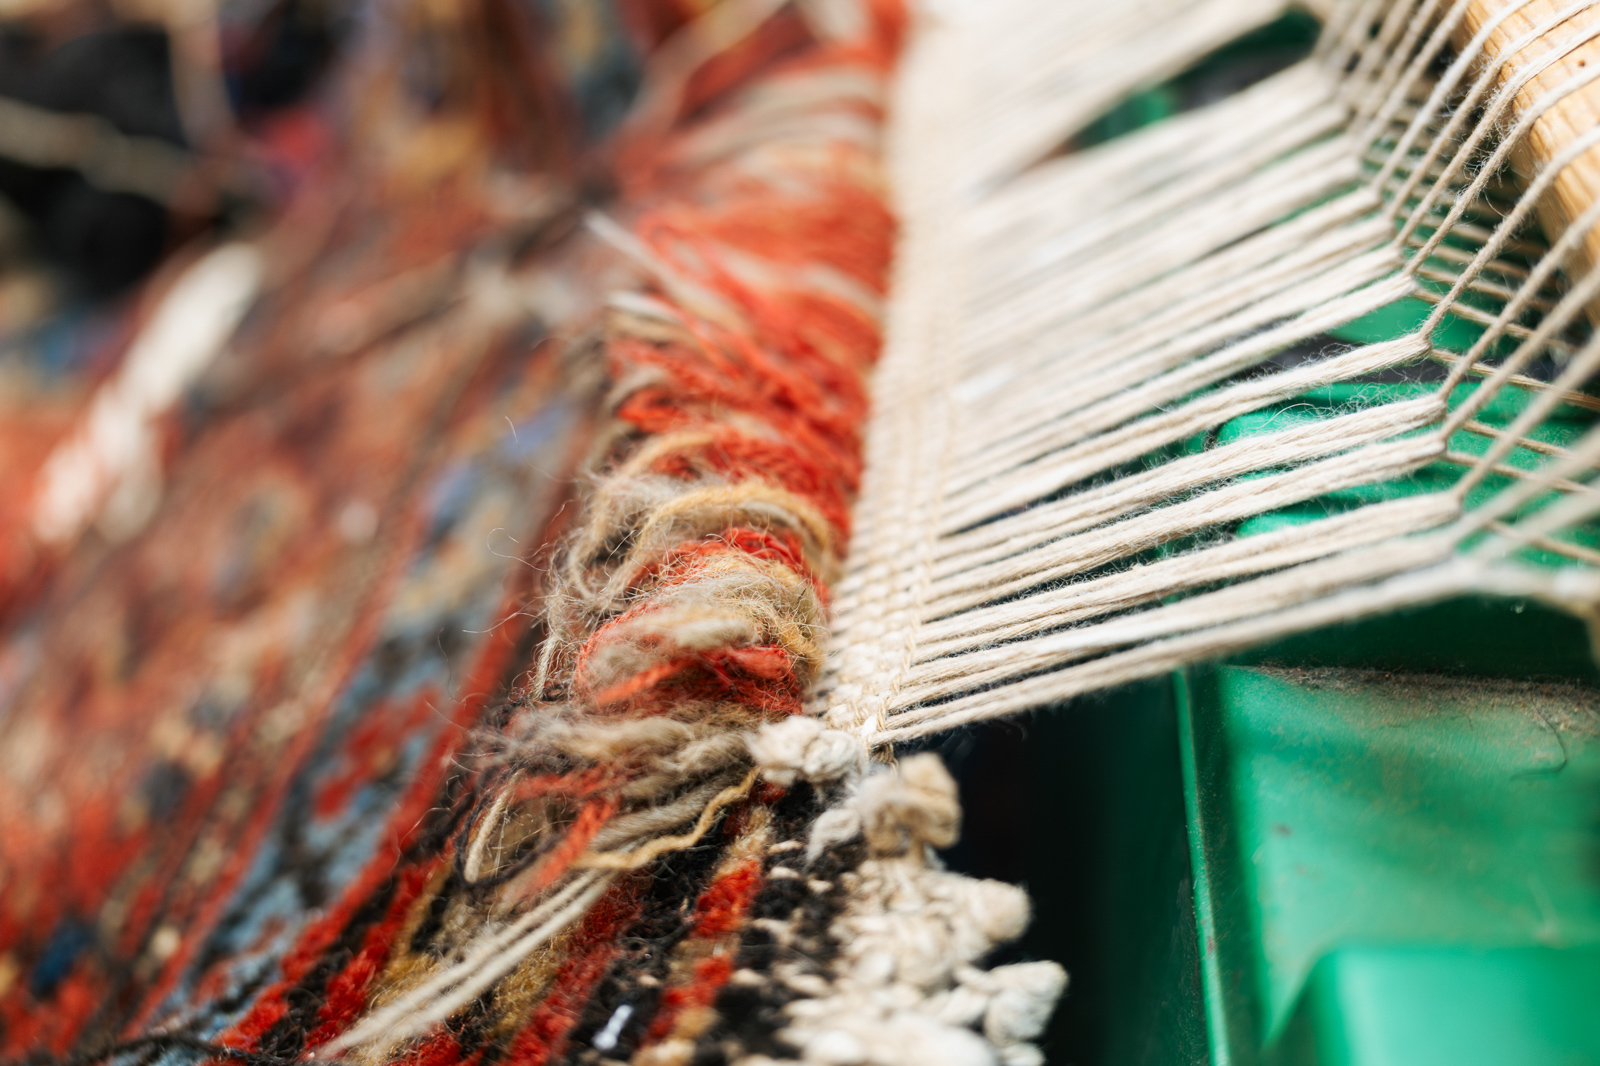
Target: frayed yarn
{"points": [[662, 858], [686, 629], [905, 988]]}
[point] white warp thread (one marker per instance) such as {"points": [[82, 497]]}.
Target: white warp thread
{"points": [[1064, 327]]}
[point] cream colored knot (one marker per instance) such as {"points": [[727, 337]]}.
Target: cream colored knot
{"points": [[901, 812], [1011, 1004], [903, 1037], [912, 807], [905, 989], [803, 748], [1021, 997]]}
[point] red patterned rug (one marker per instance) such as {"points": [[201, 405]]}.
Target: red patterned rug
{"points": [[432, 688]]}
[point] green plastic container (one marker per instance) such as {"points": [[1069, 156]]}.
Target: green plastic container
{"points": [[1373, 844], [1396, 867]]}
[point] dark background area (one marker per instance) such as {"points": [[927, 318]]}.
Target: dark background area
{"points": [[1082, 803]]}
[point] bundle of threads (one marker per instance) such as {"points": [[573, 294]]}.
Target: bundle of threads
{"points": [[649, 851]]}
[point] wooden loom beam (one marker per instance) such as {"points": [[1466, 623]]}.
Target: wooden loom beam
{"points": [[1578, 184]]}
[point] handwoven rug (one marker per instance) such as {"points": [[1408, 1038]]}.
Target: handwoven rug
{"points": [[339, 719]]}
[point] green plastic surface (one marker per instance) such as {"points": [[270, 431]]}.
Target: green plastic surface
{"points": [[1331, 808], [1405, 1006], [1403, 316]]}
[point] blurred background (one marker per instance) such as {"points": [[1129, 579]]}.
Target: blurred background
{"points": [[138, 135], [279, 423]]}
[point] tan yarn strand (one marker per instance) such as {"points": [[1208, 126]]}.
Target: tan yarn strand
{"points": [[648, 853]]}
